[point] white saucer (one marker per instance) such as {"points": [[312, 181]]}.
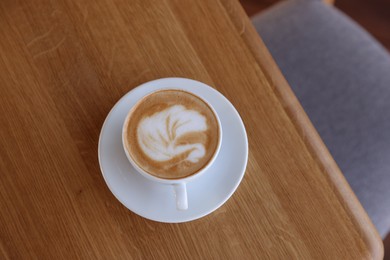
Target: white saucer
{"points": [[156, 201]]}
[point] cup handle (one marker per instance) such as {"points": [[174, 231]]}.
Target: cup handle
{"points": [[181, 196]]}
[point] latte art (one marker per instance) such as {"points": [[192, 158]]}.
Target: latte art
{"points": [[159, 134], [171, 134]]}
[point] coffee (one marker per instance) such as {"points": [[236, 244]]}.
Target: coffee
{"points": [[171, 134]]}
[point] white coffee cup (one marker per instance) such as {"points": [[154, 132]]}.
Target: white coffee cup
{"points": [[179, 185]]}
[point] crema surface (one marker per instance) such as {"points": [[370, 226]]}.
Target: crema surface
{"points": [[171, 134]]}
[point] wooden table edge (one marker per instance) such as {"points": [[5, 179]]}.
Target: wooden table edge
{"points": [[305, 128]]}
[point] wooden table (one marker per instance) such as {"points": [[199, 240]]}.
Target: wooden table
{"points": [[64, 64]]}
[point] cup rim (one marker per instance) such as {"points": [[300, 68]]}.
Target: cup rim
{"points": [[177, 180]]}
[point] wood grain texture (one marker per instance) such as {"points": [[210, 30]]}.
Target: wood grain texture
{"points": [[64, 64]]}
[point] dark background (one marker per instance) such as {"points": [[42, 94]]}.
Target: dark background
{"points": [[373, 15]]}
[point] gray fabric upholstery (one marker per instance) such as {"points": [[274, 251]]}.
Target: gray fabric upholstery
{"points": [[341, 76]]}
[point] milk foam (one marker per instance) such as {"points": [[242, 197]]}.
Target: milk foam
{"points": [[158, 133]]}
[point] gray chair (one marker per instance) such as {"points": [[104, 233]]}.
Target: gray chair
{"points": [[341, 75]]}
